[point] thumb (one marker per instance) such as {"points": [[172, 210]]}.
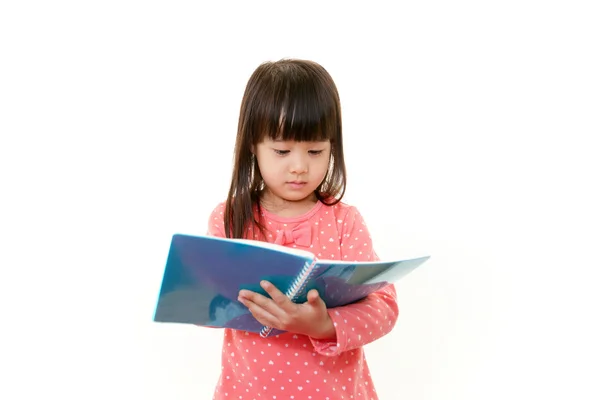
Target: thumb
{"points": [[313, 297]]}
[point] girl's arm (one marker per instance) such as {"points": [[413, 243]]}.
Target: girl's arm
{"points": [[373, 317], [216, 228]]}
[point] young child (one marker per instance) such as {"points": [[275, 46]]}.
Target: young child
{"points": [[286, 188]]}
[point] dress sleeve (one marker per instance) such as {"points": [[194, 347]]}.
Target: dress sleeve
{"points": [[367, 320], [216, 222], [216, 227]]}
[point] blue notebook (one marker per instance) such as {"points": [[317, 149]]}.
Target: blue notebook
{"points": [[203, 276]]}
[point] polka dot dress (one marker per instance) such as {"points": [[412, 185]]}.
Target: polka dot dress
{"points": [[291, 366]]}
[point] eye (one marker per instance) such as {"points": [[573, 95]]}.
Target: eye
{"points": [[281, 152], [315, 152]]}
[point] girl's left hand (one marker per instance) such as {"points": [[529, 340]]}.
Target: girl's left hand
{"points": [[279, 312]]}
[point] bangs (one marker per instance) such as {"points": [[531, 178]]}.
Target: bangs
{"points": [[297, 108]]}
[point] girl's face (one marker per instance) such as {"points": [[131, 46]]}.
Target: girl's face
{"points": [[292, 170]]}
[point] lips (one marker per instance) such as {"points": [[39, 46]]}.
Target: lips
{"points": [[296, 184]]}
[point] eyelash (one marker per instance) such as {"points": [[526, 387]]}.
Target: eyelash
{"points": [[284, 152]]}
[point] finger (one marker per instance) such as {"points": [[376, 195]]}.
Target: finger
{"points": [[254, 297], [261, 301], [313, 297], [259, 313], [278, 297]]}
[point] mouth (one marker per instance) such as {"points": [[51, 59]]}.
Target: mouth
{"points": [[296, 184]]}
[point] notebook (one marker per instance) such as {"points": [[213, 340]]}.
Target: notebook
{"points": [[204, 274]]}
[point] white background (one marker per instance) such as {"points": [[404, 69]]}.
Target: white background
{"points": [[469, 130]]}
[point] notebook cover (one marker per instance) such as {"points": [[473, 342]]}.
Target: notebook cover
{"points": [[203, 276]]}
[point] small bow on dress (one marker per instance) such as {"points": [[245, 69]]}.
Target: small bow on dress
{"points": [[300, 235]]}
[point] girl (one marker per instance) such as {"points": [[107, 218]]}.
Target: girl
{"points": [[287, 184]]}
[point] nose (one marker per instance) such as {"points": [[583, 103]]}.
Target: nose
{"points": [[299, 165]]}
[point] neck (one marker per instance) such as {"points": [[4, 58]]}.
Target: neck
{"points": [[286, 208]]}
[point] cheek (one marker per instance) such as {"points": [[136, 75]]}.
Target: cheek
{"points": [[322, 167], [268, 168]]}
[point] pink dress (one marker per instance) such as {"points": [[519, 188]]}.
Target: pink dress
{"points": [[290, 366]]}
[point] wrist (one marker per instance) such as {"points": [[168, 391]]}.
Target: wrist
{"points": [[325, 331]]}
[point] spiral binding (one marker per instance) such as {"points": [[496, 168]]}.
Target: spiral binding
{"points": [[296, 287]]}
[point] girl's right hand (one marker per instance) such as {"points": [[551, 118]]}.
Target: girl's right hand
{"points": [[310, 318]]}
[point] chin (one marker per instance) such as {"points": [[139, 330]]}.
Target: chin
{"points": [[307, 196], [296, 196]]}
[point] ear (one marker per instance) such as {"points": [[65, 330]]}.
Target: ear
{"points": [[252, 149]]}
